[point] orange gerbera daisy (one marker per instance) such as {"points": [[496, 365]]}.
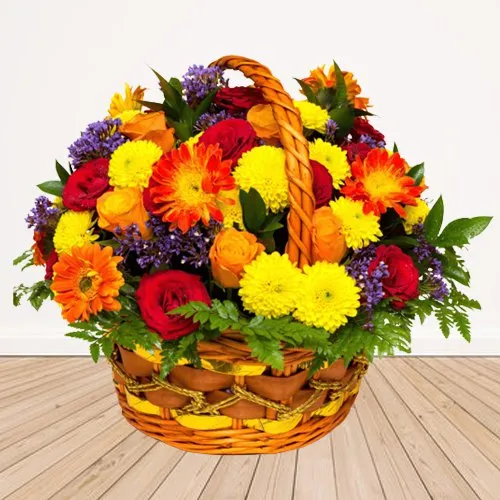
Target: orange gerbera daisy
{"points": [[319, 79], [380, 181], [188, 182], [86, 281]]}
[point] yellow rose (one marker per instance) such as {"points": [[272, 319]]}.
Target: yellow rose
{"points": [[121, 208], [328, 241], [231, 251], [150, 127]]}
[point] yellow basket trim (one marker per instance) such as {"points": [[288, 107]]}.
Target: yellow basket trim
{"points": [[203, 422], [231, 369], [331, 408], [273, 426], [142, 405]]}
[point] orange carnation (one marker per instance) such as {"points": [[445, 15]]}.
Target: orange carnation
{"points": [[380, 182], [86, 281], [328, 241], [150, 127], [121, 208], [231, 251], [261, 118]]}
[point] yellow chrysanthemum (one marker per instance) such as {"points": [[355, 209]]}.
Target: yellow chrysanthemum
{"points": [[358, 228], [328, 296], [131, 165], [270, 285], [128, 102], [313, 116], [74, 229], [333, 158], [263, 168], [233, 214], [415, 215], [193, 140]]}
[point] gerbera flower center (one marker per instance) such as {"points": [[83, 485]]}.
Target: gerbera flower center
{"points": [[380, 184], [88, 283], [189, 189]]}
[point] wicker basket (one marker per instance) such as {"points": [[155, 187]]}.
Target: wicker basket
{"points": [[234, 404]]}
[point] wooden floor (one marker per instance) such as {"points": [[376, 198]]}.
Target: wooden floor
{"points": [[421, 428]]}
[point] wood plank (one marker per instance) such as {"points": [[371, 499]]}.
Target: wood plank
{"points": [[274, 477], [481, 437], [72, 403], [20, 473], [104, 472], [19, 365], [441, 479], [315, 476], [493, 364], [480, 411], [353, 460], [477, 470], [24, 447], [464, 372], [231, 478], [19, 391], [42, 401], [146, 475], [396, 472], [187, 480], [485, 395], [44, 485], [31, 372], [479, 365]]}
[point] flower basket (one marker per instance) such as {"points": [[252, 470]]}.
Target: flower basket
{"points": [[229, 332]]}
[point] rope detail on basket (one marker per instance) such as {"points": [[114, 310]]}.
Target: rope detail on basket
{"points": [[200, 406]]}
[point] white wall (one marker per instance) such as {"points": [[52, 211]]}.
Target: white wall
{"points": [[430, 67]]}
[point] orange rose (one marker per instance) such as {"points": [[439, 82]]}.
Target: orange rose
{"points": [[231, 251], [121, 208], [262, 120], [150, 127], [328, 240]]}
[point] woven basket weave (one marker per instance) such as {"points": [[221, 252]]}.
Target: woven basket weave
{"points": [[234, 404]]}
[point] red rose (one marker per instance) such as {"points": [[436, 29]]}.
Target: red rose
{"points": [[402, 282], [322, 184], [364, 127], [234, 137], [49, 264], [86, 184], [163, 291], [355, 149], [238, 99]]}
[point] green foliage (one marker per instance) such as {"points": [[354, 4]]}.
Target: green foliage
{"points": [[417, 173], [434, 220], [62, 173], [25, 259], [52, 187], [308, 91], [454, 267], [36, 294], [340, 88], [180, 115], [460, 231], [344, 117]]}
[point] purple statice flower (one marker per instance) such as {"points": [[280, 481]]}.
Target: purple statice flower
{"points": [[429, 253], [373, 143], [99, 140], [190, 248], [206, 120], [43, 216], [199, 81], [331, 128], [370, 283]]}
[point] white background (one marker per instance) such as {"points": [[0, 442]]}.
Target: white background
{"points": [[430, 68]]}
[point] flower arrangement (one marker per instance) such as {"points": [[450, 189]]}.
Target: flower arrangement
{"points": [[168, 228]]}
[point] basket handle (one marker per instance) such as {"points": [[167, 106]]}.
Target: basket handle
{"points": [[298, 168]]}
